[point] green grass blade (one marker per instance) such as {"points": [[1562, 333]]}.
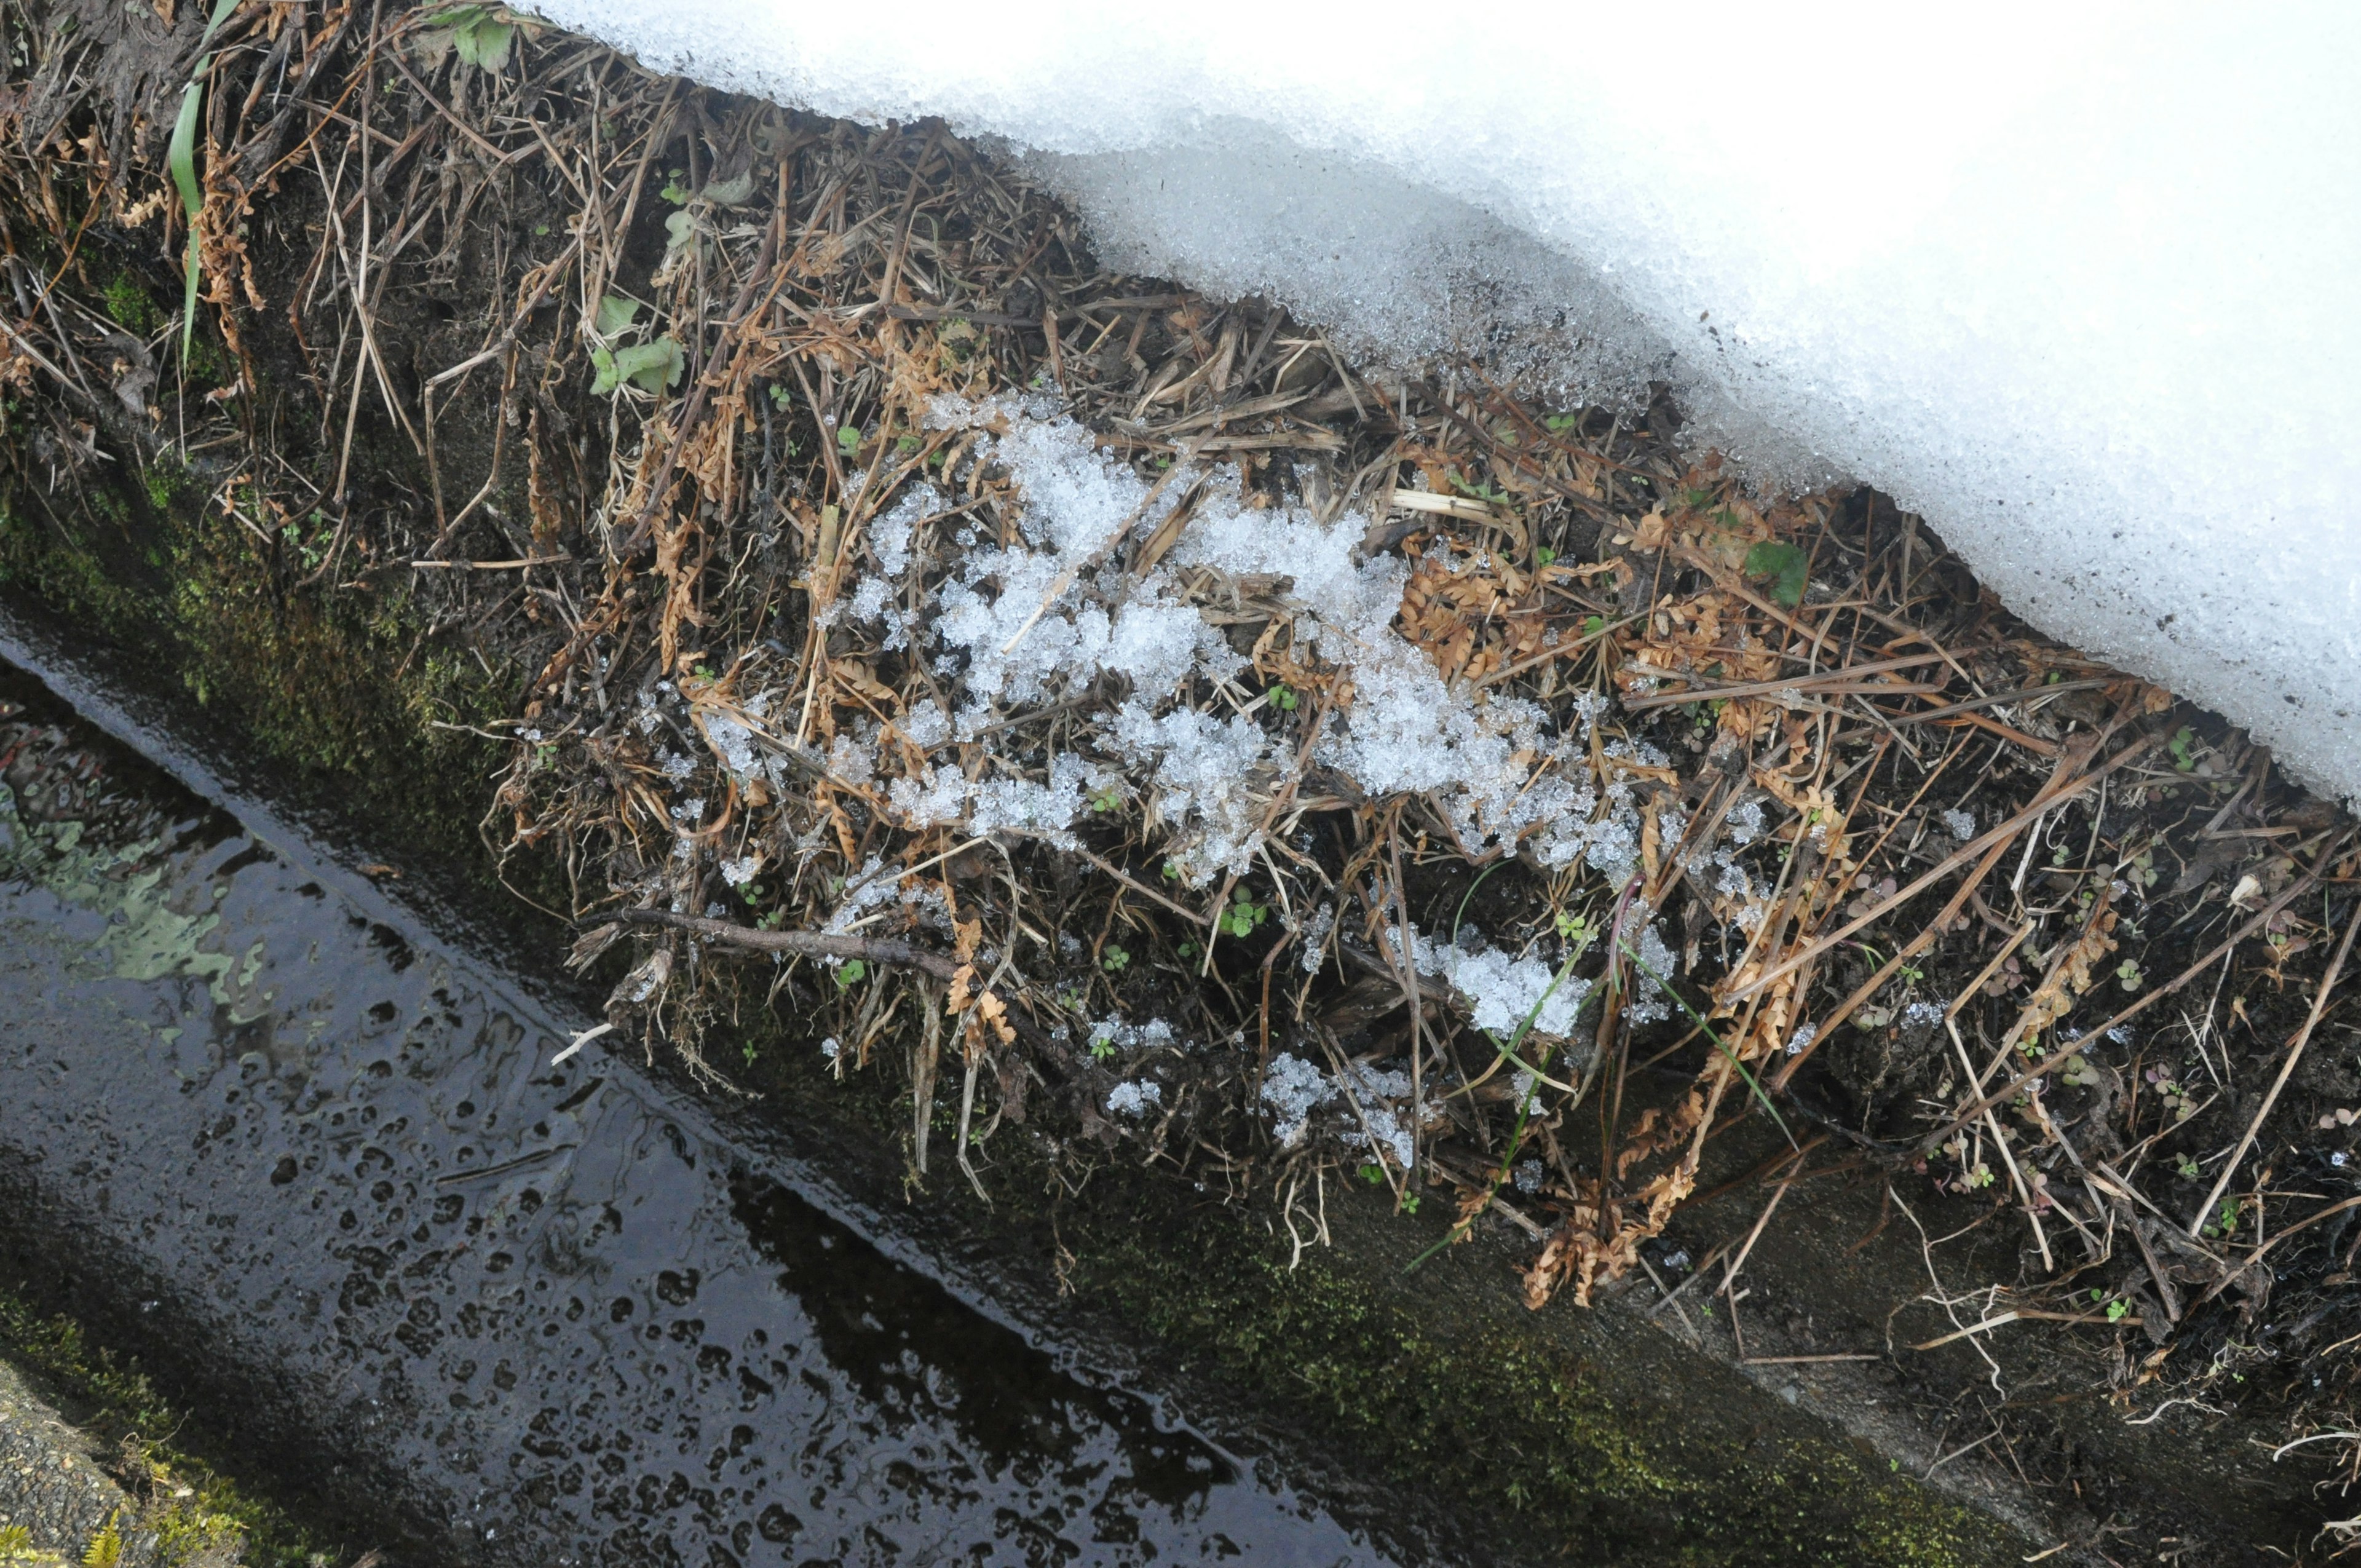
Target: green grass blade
{"points": [[1706, 1029], [1524, 1107], [180, 157]]}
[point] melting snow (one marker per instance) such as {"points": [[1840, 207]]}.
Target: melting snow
{"points": [[2084, 296]]}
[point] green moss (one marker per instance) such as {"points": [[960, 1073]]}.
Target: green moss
{"points": [[1503, 1414], [1566, 1427], [129, 307], [163, 479], [341, 687], [190, 1502]]}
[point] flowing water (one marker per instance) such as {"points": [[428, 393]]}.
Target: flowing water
{"points": [[505, 1310]]}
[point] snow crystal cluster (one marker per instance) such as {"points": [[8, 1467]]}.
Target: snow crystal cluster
{"points": [[1293, 1088], [1053, 610], [1135, 1098], [1115, 1035], [2082, 295]]}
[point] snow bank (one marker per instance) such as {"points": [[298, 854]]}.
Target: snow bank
{"points": [[2077, 282]]}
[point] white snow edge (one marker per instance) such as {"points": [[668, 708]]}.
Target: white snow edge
{"points": [[2075, 282]]}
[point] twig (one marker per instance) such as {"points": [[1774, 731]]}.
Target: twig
{"points": [[2082, 1042], [812, 944], [2016, 1177], [2048, 801], [2294, 1055]]}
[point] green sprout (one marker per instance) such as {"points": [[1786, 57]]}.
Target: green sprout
{"points": [[1116, 961], [1282, 696], [616, 314], [2179, 748], [2128, 973], [854, 973], [847, 440]]}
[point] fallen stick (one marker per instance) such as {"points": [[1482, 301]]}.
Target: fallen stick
{"points": [[2082, 1042], [2047, 801], [810, 944], [2032, 1314], [2287, 1067]]}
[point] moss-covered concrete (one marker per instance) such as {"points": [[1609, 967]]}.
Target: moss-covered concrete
{"points": [[1565, 1433], [349, 691], [168, 1497]]}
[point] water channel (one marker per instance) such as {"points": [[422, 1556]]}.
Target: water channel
{"points": [[317, 1157]]}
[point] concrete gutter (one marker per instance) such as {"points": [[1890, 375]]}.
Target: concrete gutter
{"points": [[53, 1488]]}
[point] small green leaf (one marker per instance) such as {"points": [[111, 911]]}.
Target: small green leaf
{"points": [[482, 39], [675, 188], [729, 192], [615, 314], [1544, 555], [1115, 961], [847, 440], [651, 366], [1283, 696], [1785, 564], [854, 973]]}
